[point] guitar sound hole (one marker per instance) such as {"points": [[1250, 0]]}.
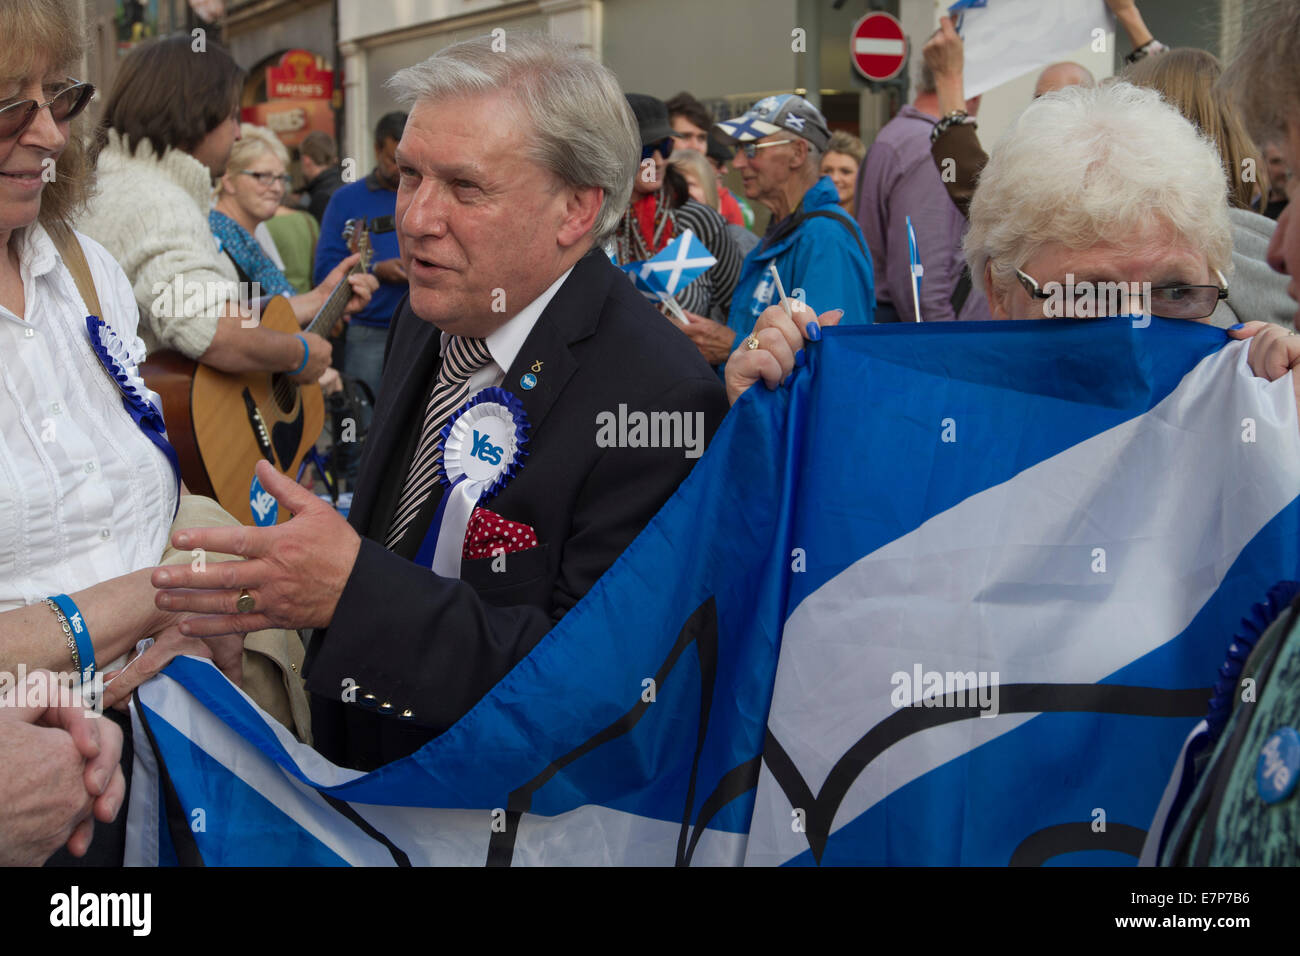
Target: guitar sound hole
{"points": [[285, 392]]}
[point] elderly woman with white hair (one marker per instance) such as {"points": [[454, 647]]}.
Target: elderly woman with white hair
{"points": [[1095, 202]]}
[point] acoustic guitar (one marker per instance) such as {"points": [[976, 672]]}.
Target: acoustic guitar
{"points": [[222, 423]]}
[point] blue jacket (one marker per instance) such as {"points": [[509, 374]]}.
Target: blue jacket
{"points": [[828, 260], [368, 199]]}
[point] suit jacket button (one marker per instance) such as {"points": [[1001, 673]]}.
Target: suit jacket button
{"points": [[369, 700], [406, 715], [386, 707]]}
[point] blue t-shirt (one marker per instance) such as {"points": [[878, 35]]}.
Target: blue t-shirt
{"points": [[368, 199]]}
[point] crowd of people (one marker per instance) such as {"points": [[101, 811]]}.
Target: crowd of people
{"points": [[502, 200]]}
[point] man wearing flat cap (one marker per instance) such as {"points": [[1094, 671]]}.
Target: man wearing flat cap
{"points": [[817, 248]]}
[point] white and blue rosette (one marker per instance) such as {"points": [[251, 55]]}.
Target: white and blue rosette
{"points": [[483, 446], [143, 405]]}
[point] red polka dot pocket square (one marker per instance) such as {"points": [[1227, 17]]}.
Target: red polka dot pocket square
{"points": [[488, 532]]}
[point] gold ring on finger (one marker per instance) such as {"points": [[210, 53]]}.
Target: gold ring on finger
{"points": [[751, 343], [245, 604]]}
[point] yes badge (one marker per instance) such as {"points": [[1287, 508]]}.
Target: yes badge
{"points": [[265, 508], [1278, 766], [483, 445]]}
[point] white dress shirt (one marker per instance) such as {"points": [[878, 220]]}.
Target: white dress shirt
{"points": [[84, 495], [504, 344]]}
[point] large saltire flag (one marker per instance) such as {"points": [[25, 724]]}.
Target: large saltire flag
{"points": [[955, 596]]}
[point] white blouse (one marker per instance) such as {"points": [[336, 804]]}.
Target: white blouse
{"points": [[84, 495]]}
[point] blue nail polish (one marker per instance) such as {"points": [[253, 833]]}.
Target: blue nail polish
{"points": [[814, 332], [787, 380], [1239, 325], [799, 359]]}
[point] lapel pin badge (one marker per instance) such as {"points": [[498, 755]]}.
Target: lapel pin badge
{"points": [[528, 381]]}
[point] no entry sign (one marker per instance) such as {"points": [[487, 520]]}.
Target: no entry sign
{"points": [[878, 46]]}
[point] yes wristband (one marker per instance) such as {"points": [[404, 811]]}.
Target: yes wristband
{"points": [[80, 633]]}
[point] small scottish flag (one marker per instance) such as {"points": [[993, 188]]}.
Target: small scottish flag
{"points": [[918, 270], [677, 265]]}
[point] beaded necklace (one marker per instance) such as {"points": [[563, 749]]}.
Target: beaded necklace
{"points": [[631, 245]]}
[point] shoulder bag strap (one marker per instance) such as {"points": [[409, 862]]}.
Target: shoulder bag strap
{"points": [[74, 258]]}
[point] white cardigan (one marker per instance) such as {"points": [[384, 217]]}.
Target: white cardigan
{"points": [[151, 215]]}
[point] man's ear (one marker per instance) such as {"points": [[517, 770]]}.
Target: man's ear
{"points": [[581, 207], [800, 154]]}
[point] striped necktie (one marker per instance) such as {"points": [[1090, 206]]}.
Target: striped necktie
{"points": [[463, 358]]}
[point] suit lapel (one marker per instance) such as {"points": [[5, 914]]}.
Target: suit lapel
{"points": [[571, 315], [399, 408]]}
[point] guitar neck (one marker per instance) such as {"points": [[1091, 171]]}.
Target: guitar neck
{"points": [[332, 310]]}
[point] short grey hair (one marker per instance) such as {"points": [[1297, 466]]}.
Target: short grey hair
{"points": [[583, 129], [1082, 166]]}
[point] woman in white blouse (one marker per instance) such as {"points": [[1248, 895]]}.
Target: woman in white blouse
{"points": [[86, 495]]}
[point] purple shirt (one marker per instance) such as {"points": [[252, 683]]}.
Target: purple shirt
{"points": [[900, 179]]}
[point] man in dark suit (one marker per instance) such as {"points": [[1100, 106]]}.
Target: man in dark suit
{"points": [[503, 197]]}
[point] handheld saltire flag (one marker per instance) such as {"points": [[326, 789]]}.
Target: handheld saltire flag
{"points": [[971, 612], [918, 270], [672, 269], [677, 264]]}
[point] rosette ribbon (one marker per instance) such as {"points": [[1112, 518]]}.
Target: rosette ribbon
{"points": [[483, 446], [143, 405]]}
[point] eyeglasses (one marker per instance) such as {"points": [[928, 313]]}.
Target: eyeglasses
{"points": [[64, 105], [751, 149], [1100, 299], [664, 148], [267, 180]]}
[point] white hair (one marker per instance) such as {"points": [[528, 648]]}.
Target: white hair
{"points": [[253, 142], [583, 130], [1083, 166]]}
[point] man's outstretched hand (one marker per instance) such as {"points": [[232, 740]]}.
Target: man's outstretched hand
{"points": [[295, 572]]}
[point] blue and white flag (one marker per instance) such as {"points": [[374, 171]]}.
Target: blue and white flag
{"points": [[918, 270], [955, 596], [673, 268]]}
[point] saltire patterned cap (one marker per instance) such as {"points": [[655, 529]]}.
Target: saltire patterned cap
{"points": [[787, 113]]}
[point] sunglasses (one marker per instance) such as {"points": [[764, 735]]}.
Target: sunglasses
{"points": [[664, 148], [751, 149], [64, 105]]}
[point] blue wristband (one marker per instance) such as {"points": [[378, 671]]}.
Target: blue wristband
{"points": [[80, 633], [306, 354]]}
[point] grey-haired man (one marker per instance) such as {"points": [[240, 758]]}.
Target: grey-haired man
{"points": [[514, 165]]}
